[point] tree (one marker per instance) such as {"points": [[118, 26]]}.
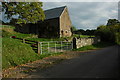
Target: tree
{"points": [[27, 12], [105, 34], [116, 31], [112, 22], [109, 32], [73, 28], [79, 31]]}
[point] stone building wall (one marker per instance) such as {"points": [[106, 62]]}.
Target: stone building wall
{"points": [[77, 43], [49, 28], [23, 29], [65, 24]]}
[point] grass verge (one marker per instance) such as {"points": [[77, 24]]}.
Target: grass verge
{"points": [[94, 46]]}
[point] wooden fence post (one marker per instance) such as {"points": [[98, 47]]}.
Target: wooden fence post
{"points": [[55, 47], [23, 40], [38, 49], [61, 46]]}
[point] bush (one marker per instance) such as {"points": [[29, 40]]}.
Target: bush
{"points": [[118, 38], [106, 33]]}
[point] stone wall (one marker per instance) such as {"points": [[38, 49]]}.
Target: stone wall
{"points": [[80, 42]]}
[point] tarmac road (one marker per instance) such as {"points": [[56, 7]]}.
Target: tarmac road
{"points": [[103, 63]]}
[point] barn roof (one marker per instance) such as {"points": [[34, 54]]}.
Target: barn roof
{"points": [[54, 13]]}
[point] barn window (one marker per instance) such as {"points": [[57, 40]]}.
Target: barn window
{"points": [[66, 31], [62, 32]]}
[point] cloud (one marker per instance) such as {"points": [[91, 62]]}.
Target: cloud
{"points": [[86, 15], [79, 0]]}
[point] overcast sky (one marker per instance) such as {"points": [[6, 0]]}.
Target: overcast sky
{"points": [[87, 15]]}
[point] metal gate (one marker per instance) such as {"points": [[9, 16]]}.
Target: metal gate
{"points": [[54, 46]]}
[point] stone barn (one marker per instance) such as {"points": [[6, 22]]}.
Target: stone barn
{"points": [[56, 24]]}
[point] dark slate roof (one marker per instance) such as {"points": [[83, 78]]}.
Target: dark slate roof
{"points": [[53, 13]]}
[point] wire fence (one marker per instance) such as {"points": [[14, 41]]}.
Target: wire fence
{"points": [[54, 46]]}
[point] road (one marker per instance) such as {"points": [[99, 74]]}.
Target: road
{"points": [[103, 63]]}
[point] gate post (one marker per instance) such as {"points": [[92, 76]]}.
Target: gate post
{"points": [[61, 46], [23, 40], [55, 47], [74, 43], [38, 50]]}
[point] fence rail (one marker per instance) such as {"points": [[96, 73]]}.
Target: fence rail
{"points": [[54, 46], [47, 47]]}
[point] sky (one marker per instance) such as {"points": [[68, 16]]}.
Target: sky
{"points": [[87, 15]]}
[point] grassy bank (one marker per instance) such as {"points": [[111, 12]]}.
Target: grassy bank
{"points": [[15, 53], [94, 46]]}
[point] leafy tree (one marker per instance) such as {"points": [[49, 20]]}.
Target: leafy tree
{"points": [[83, 32], [116, 31], [104, 32], [112, 22], [79, 31], [88, 32], [109, 32], [27, 12], [73, 28]]}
